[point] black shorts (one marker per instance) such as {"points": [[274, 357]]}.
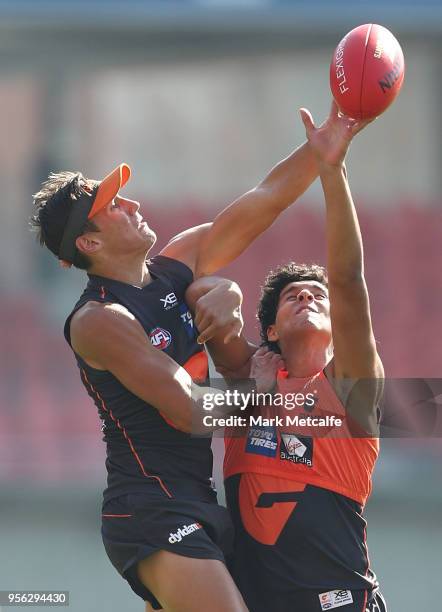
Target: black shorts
{"points": [[342, 600], [298, 547], [138, 524]]}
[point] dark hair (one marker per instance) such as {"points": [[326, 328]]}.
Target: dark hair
{"points": [[274, 283], [52, 207]]}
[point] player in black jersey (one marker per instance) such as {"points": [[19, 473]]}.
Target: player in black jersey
{"points": [[135, 344]]}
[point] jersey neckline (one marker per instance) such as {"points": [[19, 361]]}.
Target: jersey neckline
{"points": [[113, 281]]}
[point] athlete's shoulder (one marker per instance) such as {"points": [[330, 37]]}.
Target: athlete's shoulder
{"points": [[95, 316], [99, 329], [94, 292]]}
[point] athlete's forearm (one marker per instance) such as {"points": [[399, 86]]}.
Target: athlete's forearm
{"points": [[345, 262], [238, 225], [290, 178]]}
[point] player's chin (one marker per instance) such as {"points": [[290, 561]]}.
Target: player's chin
{"points": [[147, 234], [151, 237], [307, 318], [311, 325]]}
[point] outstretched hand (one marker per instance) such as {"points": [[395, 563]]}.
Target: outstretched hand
{"points": [[331, 140]]}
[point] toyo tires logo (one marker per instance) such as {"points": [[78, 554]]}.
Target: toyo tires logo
{"points": [[160, 338]]}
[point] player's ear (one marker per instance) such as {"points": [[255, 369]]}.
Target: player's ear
{"points": [[272, 334], [88, 243]]}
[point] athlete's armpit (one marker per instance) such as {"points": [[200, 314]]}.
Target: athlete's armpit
{"points": [[185, 246]]}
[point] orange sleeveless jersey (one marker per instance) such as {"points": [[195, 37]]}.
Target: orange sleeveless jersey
{"points": [[326, 456]]}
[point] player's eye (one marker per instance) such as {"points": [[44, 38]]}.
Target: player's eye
{"points": [[115, 205], [320, 296]]}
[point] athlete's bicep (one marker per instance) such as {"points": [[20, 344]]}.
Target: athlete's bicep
{"points": [[185, 246], [109, 335]]}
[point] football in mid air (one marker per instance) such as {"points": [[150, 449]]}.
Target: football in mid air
{"points": [[366, 71]]}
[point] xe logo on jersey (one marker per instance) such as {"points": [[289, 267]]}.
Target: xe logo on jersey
{"points": [[297, 449], [160, 338], [335, 599], [169, 301]]}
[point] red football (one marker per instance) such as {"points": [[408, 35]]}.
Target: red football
{"points": [[367, 71]]}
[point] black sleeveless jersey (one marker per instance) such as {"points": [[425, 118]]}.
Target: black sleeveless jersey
{"points": [[144, 452]]}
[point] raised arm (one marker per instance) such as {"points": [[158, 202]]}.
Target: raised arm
{"points": [[210, 247], [355, 354], [238, 225]]}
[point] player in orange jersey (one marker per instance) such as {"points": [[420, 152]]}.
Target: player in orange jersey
{"points": [[296, 490]]}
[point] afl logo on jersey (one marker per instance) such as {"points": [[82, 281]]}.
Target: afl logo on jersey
{"points": [[160, 338]]}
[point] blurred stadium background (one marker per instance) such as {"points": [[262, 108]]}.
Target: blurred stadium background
{"points": [[200, 97]]}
